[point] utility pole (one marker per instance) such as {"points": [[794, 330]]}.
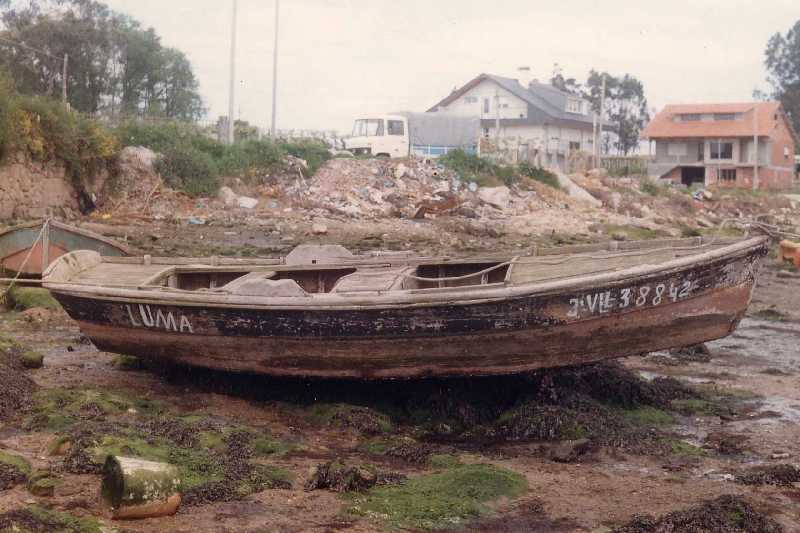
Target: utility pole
{"points": [[231, 94], [275, 70], [600, 121], [64, 79]]}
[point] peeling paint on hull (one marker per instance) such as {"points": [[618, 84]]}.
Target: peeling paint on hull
{"points": [[492, 337]]}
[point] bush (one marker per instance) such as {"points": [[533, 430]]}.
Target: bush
{"points": [[539, 174], [247, 158], [48, 131], [650, 187], [314, 152], [185, 167], [6, 113]]}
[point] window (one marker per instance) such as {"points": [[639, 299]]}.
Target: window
{"points": [[486, 104], [677, 149], [395, 127], [724, 116], [691, 117], [470, 99], [786, 152], [573, 105], [721, 150], [727, 174], [371, 127], [574, 146]]}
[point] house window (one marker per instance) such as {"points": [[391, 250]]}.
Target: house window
{"points": [[786, 152], [677, 149], [724, 116], [727, 174], [721, 150], [574, 146], [486, 132], [573, 105], [395, 127], [691, 117], [486, 104], [470, 99]]}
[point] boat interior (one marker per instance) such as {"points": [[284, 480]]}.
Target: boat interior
{"points": [[333, 269]]}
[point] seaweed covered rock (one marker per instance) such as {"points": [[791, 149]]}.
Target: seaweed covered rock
{"points": [[726, 514], [339, 477], [781, 475], [17, 387]]}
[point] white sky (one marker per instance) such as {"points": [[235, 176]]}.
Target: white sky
{"points": [[345, 58]]}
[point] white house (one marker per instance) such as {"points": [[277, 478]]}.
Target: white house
{"points": [[541, 122]]}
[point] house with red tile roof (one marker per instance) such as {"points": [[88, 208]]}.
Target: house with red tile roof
{"points": [[748, 145]]}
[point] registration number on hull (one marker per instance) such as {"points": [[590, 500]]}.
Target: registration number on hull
{"points": [[604, 302]]}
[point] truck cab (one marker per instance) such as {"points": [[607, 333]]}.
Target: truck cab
{"points": [[381, 136]]}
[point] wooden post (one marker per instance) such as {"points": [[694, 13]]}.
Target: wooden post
{"points": [[64, 78], [135, 488], [46, 245]]}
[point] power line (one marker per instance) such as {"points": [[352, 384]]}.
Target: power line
{"points": [[31, 48]]}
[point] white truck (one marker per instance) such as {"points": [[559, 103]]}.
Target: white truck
{"points": [[403, 134]]}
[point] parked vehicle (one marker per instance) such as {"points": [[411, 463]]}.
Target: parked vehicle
{"points": [[324, 312], [404, 134]]}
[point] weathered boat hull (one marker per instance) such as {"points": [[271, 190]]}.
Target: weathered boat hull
{"points": [[21, 243], [621, 317]]}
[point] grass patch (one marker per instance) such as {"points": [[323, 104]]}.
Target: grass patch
{"points": [[651, 187], [443, 461], [264, 446], [16, 461], [694, 406], [631, 233], [37, 518], [22, 298], [357, 417], [685, 449], [648, 416], [442, 499], [539, 174]]}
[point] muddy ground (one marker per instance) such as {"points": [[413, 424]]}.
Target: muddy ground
{"points": [[691, 441]]}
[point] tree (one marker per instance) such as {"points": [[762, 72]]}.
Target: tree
{"points": [[568, 85], [625, 107], [115, 65], [782, 59]]}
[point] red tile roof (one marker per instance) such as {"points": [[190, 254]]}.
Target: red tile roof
{"points": [[663, 124]]}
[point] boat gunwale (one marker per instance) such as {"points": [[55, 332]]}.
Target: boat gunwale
{"points": [[67, 228], [462, 295]]}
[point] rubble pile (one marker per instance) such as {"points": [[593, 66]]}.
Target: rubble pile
{"points": [[413, 188]]}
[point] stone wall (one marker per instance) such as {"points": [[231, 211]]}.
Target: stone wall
{"points": [[29, 190]]}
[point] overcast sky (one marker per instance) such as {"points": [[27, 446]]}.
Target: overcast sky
{"points": [[345, 58]]}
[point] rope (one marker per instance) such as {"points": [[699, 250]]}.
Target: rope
{"points": [[15, 279]]}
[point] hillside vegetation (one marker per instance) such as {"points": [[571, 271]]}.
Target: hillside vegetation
{"points": [[45, 131]]}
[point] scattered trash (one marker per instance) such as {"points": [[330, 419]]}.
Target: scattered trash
{"points": [[135, 488]]}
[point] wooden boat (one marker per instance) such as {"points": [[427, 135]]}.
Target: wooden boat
{"points": [[49, 244], [321, 311]]}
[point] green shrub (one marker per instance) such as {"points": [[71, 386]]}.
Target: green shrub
{"points": [[247, 158], [314, 152], [185, 167], [6, 113], [539, 174], [650, 187]]}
